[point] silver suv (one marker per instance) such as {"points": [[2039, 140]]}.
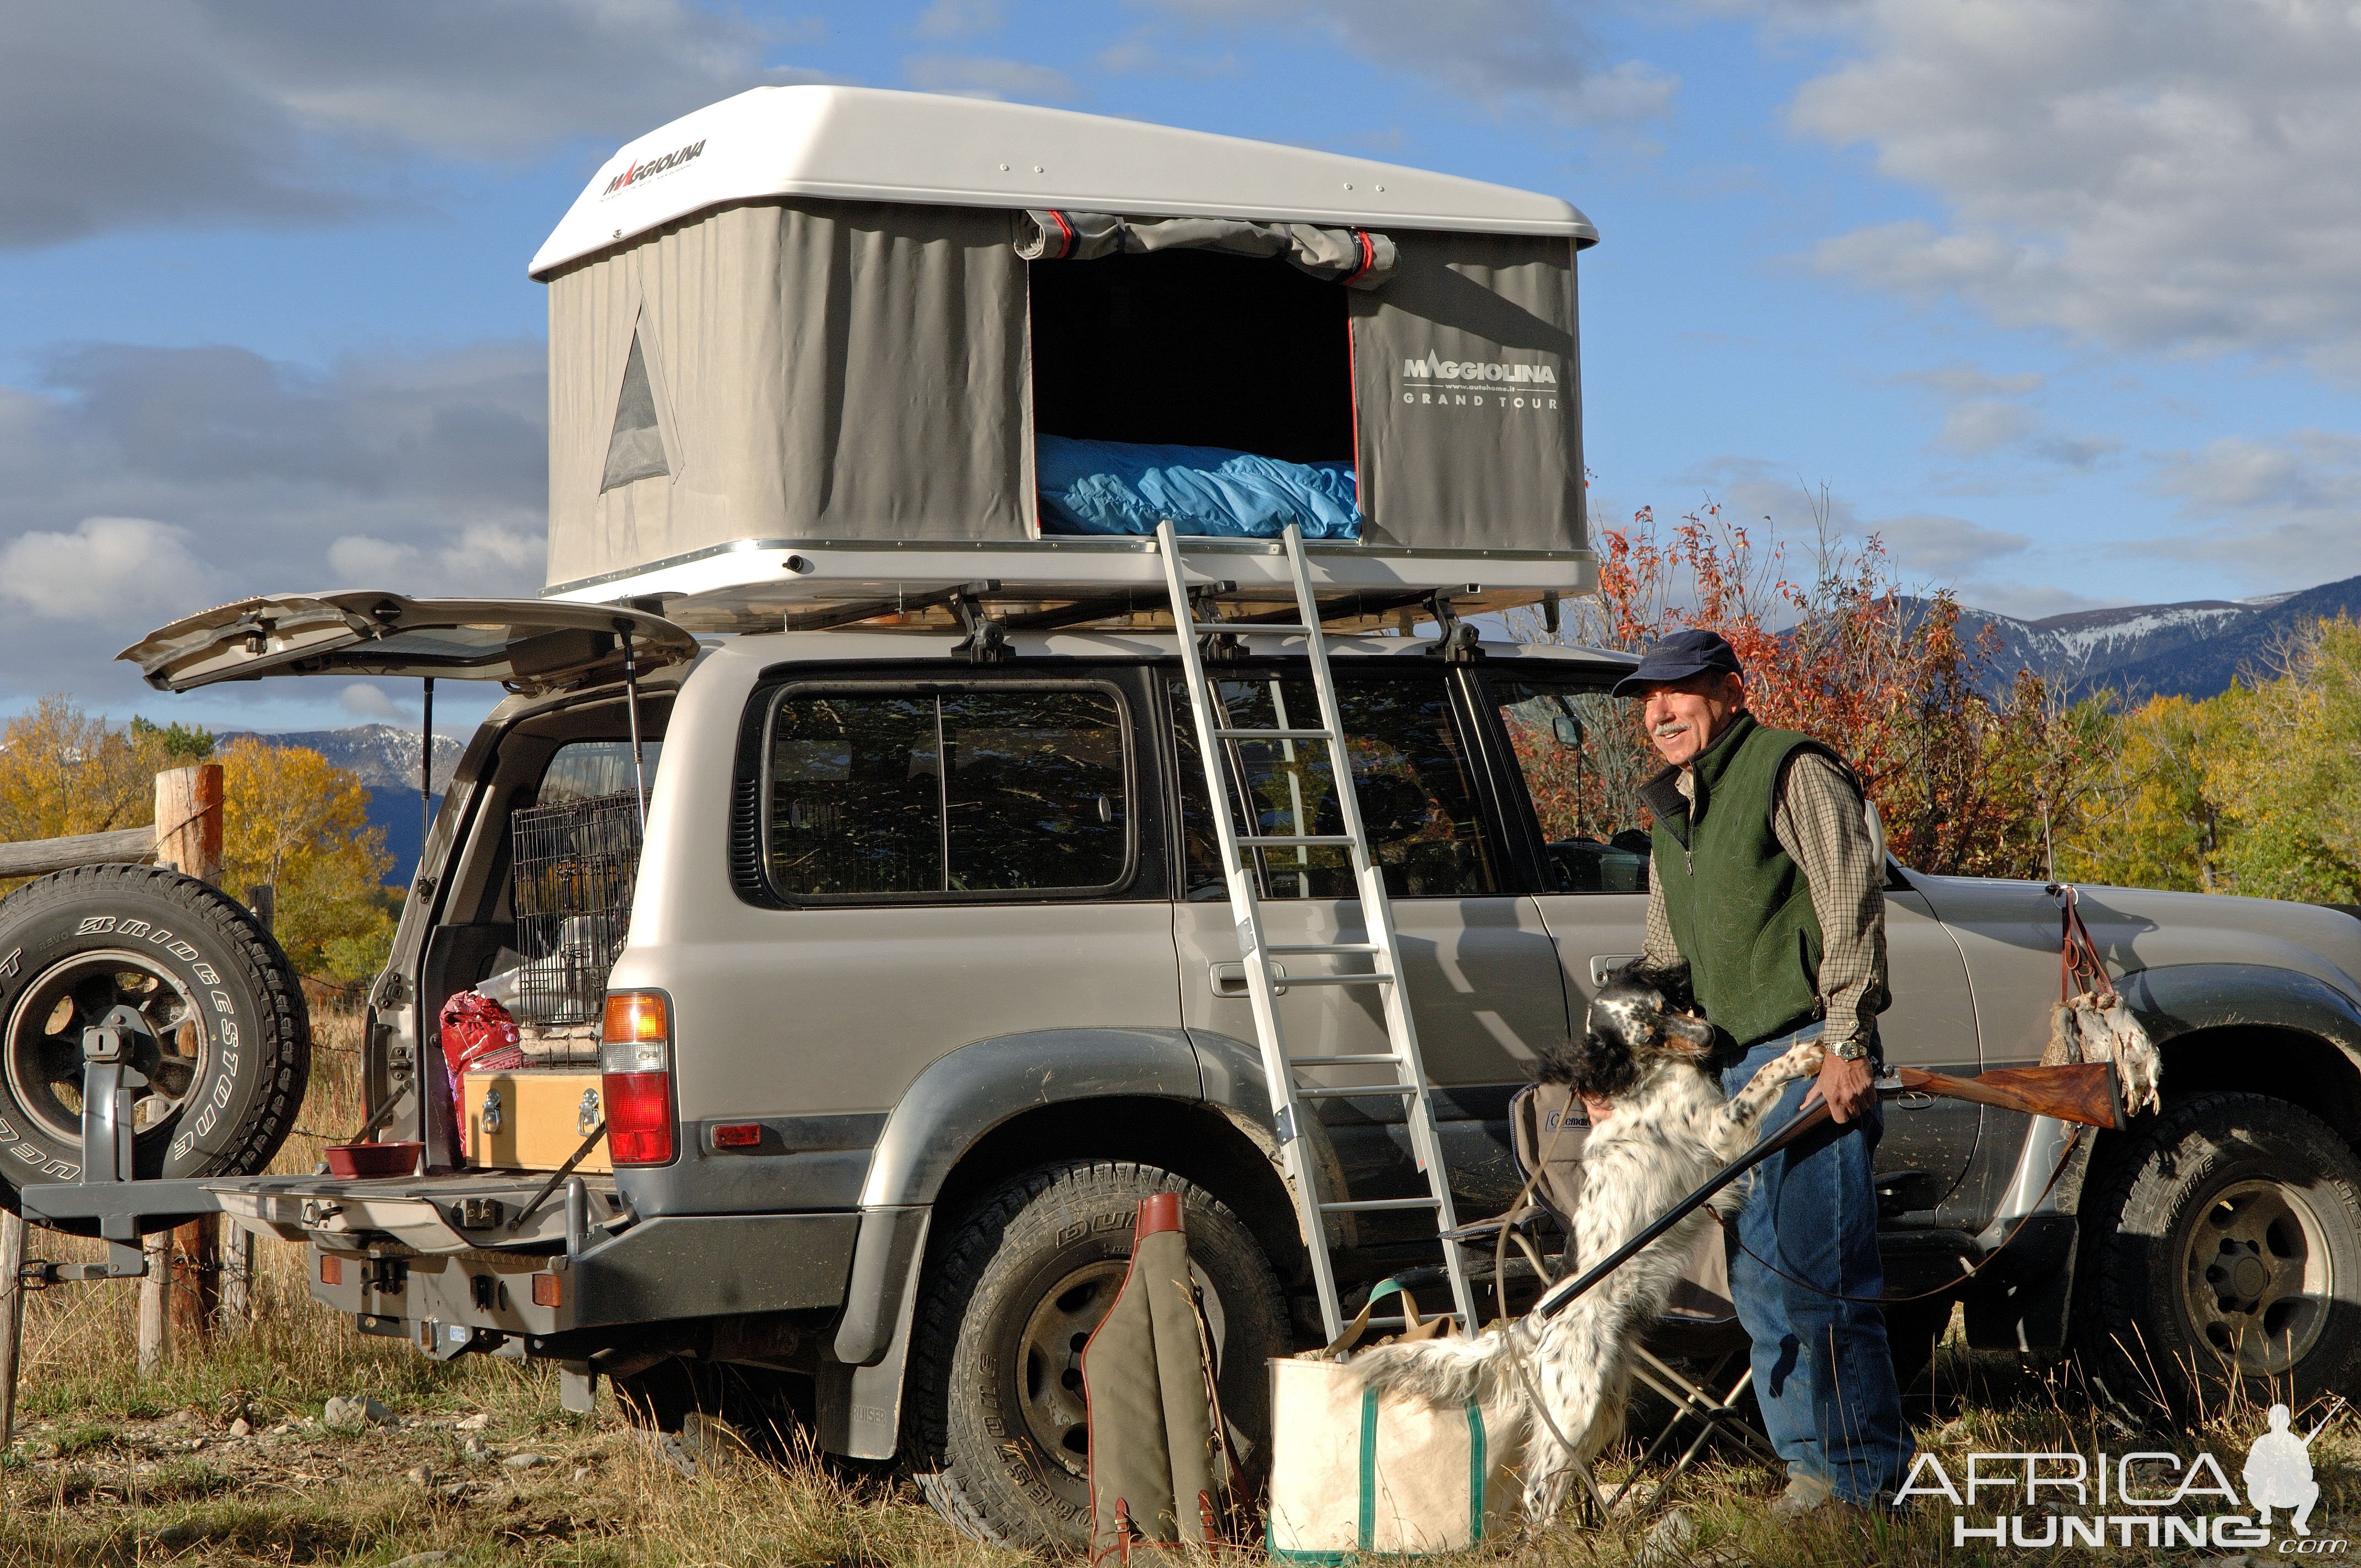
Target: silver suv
{"points": [[930, 977]]}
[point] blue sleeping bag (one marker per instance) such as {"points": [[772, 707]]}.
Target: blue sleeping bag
{"points": [[1123, 487]]}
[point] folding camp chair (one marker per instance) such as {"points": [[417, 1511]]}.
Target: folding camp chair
{"points": [[1690, 1351]]}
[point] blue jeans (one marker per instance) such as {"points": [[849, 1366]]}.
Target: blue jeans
{"points": [[1822, 1372]]}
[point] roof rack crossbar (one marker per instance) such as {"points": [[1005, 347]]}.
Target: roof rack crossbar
{"points": [[1083, 609], [1335, 609], [869, 609]]}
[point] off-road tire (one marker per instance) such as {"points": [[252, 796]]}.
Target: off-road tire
{"points": [[965, 1436], [2159, 1220], [232, 985]]}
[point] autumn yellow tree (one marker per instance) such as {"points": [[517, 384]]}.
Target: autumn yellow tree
{"points": [[63, 772], [2255, 792], [296, 822]]}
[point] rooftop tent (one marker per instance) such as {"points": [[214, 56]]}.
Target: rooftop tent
{"points": [[845, 318]]}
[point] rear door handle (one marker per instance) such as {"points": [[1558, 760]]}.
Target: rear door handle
{"points": [[1606, 964], [1229, 980]]}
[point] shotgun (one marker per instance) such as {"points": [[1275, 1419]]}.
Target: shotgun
{"points": [[2086, 1093]]}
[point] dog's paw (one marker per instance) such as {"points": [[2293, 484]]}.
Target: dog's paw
{"points": [[1802, 1059]]}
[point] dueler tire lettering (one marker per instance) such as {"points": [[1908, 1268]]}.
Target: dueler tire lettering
{"points": [[242, 1039]]}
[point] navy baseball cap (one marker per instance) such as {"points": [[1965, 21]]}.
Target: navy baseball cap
{"points": [[1676, 658]]}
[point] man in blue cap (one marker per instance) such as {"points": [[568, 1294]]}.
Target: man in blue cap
{"points": [[1766, 883]]}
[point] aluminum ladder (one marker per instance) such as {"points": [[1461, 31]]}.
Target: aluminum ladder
{"points": [[1216, 734]]}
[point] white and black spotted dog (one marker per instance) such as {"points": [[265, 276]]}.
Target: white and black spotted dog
{"points": [[1671, 1128]]}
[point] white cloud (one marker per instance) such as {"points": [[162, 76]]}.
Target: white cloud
{"points": [[360, 562], [367, 702], [494, 552], [1509, 55], [959, 19], [143, 484], [129, 114], [1944, 547], [120, 573], [981, 76], [2269, 512], [1984, 425], [2026, 601], [1986, 413], [1971, 382], [2146, 174]]}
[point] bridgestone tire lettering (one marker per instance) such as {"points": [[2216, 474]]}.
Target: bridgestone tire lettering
{"points": [[256, 1059]]}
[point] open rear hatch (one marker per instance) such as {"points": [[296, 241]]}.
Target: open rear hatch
{"points": [[528, 645], [468, 1211]]}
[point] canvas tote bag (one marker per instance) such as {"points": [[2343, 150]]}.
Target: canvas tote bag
{"points": [[1352, 1471]]}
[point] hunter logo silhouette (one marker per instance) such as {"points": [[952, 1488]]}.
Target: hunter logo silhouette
{"points": [[2279, 1471]]}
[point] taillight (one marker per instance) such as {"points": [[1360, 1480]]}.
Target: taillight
{"points": [[636, 1058]]}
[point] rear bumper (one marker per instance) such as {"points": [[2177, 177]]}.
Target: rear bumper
{"points": [[659, 1270]]}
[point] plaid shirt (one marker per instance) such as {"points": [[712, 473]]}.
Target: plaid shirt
{"points": [[1817, 820]]}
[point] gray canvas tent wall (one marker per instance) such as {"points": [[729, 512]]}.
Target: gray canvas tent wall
{"points": [[802, 315]]}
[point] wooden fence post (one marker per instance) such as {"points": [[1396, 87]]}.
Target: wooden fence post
{"points": [[155, 1323], [182, 1288], [12, 1320], [189, 820]]}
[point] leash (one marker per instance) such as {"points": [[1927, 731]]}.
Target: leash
{"points": [[2073, 1142]]}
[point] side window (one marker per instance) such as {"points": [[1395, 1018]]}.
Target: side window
{"points": [[877, 793], [1410, 767], [589, 769], [1584, 781]]}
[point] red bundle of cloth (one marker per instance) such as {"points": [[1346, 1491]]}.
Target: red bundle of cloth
{"points": [[478, 1035]]}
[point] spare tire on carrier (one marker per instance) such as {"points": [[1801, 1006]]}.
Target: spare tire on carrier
{"points": [[226, 1043]]}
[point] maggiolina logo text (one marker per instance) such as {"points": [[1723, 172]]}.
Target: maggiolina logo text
{"points": [[651, 168]]}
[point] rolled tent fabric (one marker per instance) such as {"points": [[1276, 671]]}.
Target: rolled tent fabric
{"points": [[1467, 397], [1357, 259], [820, 370]]}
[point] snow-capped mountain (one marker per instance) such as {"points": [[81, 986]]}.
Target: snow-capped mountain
{"points": [[2194, 649], [386, 758]]}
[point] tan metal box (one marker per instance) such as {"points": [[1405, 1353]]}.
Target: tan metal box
{"points": [[533, 1118]]}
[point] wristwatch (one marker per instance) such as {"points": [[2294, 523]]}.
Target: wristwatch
{"points": [[1853, 1050]]}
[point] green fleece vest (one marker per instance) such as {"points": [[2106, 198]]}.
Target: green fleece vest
{"points": [[1738, 904]]}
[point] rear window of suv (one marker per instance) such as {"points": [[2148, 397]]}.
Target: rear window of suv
{"points": [[875, 792]]}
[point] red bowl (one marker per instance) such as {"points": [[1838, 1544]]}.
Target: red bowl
{"points": [[373, 1159]]}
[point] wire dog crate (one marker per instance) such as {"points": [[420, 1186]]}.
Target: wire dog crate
{"points": [[576, 866]]}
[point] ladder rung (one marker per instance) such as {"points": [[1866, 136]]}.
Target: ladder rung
{"points": [[1298, 841], [1287, 950], [1273, 735], [1296, 980], [1371, 1205], [1367, 1088], [1372, 1059]]}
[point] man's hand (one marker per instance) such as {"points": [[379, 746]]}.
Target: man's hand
{"points": [[1847, 1086]]}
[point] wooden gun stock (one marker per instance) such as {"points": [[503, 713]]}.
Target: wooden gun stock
{"points": [[2078, 1091]]}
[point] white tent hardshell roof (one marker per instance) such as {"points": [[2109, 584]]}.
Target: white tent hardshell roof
{"points": [[865, 144]]}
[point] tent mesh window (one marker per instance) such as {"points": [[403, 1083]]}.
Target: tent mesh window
{"points": [[636, 449], [576, 866], [1194, 349]]}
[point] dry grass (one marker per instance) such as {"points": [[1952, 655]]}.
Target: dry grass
{"points": [[109, 1469]]}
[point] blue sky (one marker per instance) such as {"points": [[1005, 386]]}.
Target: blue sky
{"points": [[2054, 296]]}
